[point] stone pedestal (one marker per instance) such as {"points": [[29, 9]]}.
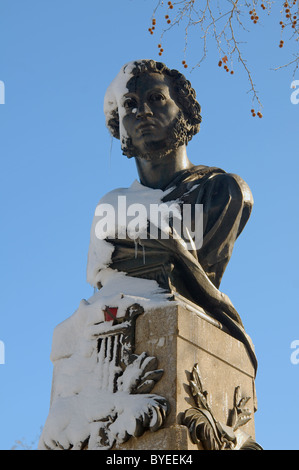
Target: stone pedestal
{"points": [[180, 336]]}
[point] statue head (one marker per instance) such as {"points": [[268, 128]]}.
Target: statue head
{"points": [[151, 109]]}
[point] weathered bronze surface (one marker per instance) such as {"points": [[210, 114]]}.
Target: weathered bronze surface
{"points": [[159, 116]]}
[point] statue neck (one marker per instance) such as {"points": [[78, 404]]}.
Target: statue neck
{"points": [[158, 173]]}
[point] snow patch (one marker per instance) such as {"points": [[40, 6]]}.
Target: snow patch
{"points": [[85, 406], [115, 94], [81, 400], [100, 250]]}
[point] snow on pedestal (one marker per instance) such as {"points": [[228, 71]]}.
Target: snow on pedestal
{"points": [[88, 383], [102, 389]]}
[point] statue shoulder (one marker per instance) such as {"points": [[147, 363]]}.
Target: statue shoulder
{"points": [[242, 194], [112, 195], [246, 191], [204, 170], [227, 179], [236, 189]]}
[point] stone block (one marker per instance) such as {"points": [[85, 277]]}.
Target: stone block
{"points": [[180, 336]]}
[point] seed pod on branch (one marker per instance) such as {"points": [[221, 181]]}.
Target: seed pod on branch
{"points": [[223, 24]]}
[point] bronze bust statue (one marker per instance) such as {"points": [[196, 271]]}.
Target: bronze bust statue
{"points": [[102, 384], [154, 112]]}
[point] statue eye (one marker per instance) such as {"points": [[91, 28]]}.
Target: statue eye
{"points": [[130, 103], [157, 97]]}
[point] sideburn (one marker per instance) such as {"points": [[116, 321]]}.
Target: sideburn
{"points": [[178, 135]]}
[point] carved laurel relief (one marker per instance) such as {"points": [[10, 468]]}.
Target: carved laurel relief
{"points": [[206, 430]]}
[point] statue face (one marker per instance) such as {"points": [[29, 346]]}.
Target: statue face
{"points": [[150, 113]]}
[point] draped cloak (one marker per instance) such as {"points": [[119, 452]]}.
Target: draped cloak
{"points": [[196, 274]]}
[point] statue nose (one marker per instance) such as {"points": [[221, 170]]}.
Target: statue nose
{"points": [[143, 111]]}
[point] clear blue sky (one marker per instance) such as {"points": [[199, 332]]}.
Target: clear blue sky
{"points": [[56, 60]]}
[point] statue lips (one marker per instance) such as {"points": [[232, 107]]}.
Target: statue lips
{"points": [[145, 126]]}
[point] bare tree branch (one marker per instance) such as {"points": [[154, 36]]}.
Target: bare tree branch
{"points": [[222, 21]]}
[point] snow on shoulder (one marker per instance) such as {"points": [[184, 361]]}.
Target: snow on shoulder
{"points": [[119, 205]]}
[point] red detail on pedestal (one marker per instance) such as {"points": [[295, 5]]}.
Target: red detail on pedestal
{"points": [[110, 313]]}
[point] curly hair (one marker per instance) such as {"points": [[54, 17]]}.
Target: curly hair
{"points": [[185, 97]]}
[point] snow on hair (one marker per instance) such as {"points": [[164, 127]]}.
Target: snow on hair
{"points": [[185, 95]]}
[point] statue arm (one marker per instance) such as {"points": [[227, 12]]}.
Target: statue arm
{"points": [[227, 203], [247, 202]]}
